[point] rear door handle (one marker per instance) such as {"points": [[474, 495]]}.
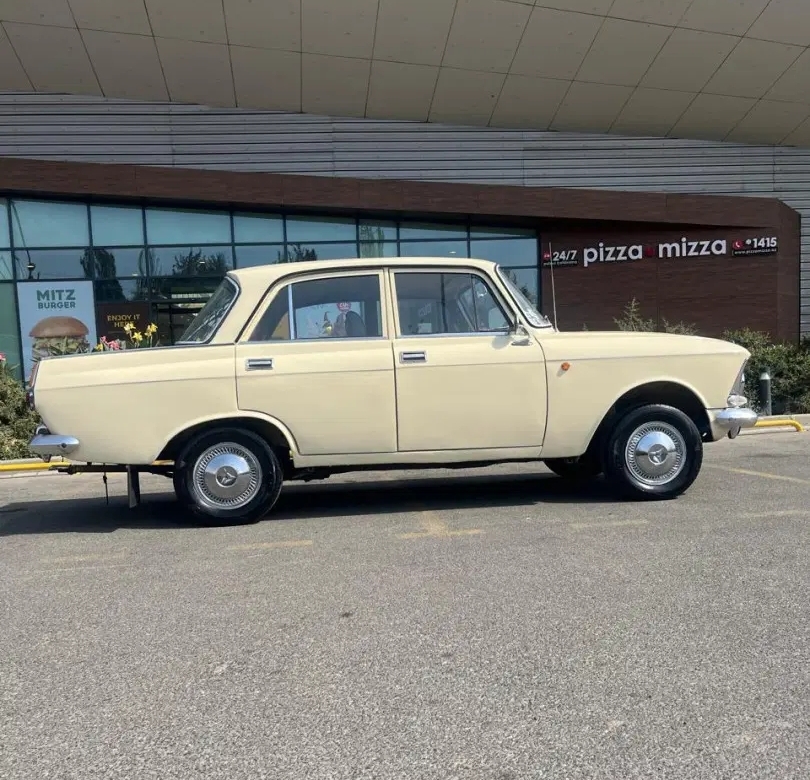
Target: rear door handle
{"points": [[412, 357], [259, 364]]}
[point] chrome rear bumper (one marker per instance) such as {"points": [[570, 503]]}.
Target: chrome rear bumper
{"points": [[734, 419], [46, 444]]}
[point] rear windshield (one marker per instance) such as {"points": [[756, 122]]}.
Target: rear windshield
{"points": [[210, 317]]}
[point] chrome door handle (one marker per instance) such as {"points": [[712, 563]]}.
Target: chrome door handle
{"points": [[258, 364], [412, 357]]}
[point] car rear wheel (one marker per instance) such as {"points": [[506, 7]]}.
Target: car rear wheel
{"points": [[228, 476], [653, 452], [579, 469]]}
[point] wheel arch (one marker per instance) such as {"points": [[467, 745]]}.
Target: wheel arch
{"points": [[273, 431], [665, 392]]}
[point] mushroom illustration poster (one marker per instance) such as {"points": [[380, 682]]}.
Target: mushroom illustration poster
{"points": [[56, 318]]}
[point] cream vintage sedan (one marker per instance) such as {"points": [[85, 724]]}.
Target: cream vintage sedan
{"points": [[302, 370]]}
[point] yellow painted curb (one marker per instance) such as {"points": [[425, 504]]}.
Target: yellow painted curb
{"points": [[29, 466], [55, 464], [780, 424]]}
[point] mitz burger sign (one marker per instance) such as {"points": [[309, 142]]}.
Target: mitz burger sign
{"points": [[620, 253]]}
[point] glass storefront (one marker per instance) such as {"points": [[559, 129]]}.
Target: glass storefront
{"points": [[100, 265]]}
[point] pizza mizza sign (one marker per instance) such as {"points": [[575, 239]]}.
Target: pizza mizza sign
{"points": [[606, 253]]}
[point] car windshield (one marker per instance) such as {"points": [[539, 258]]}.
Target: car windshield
{"points": [[210, 317], [527, 308]]}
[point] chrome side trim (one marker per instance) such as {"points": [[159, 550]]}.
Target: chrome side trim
{"points": [[46, 444]]}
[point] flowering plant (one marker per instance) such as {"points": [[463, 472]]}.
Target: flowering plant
{"points": [[132, 339]]}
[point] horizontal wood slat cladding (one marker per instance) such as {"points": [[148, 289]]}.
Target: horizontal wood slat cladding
{"points": [[713, 293]]}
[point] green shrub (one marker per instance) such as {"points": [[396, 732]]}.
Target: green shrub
{"points": [[631, 319], [787, 364], [17, 421]]}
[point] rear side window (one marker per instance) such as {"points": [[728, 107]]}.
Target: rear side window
{"points": [[337, 307]]}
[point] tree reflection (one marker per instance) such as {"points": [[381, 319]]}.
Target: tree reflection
{"points": [[199, 264], [99, 264], [296, 253], [372, 241]]}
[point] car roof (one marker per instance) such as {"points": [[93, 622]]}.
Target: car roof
{"points": [[267, 274]]}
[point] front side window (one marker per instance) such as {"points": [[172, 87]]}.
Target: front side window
{"points": [[451, 303], [336, 307], [210, 317]]}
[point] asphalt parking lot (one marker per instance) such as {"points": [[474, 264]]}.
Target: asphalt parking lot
{"points": [[487, 624]]}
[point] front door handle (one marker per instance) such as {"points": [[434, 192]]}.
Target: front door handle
{"points": [[412, 357], [259, 364]]}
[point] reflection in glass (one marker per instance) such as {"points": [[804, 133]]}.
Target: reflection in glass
{"points": [[428, 230], [300, 252], [185, 226], [309, 229], [6, 266], [114, 290], [9, 335], [54, 264], [377, 231], [482, 231], [110, 263], [45, 223], [378, 249], [192, 261], [526, 280], [184, 290], [4, 237], [258, 229], [433, 249], [516, 251], [251, 256], [116, 225]]}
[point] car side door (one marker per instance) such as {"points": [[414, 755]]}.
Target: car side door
{"points": [[317, 357], [464, 382]]}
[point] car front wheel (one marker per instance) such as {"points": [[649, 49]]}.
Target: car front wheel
{"points": [[228, 476], [653, 452]]}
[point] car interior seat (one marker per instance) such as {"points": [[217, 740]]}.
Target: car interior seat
{"points": [[355, 327]]}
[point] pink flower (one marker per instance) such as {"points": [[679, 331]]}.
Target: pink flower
{"points": [[2, 357]]}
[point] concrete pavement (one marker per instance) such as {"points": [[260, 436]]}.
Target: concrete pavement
{"points": [[485, 624]]}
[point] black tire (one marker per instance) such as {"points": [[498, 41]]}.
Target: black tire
{"points": [[581, 469], [655, 428], [262, 477]]}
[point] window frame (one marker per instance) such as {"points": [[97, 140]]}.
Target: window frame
{"points": [[495, 291], [283, 286]]}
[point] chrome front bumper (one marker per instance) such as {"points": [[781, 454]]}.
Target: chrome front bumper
{"points": [[734, 419], [46, 444]]}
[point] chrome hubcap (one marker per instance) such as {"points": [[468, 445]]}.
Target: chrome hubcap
{"points": [[227, 476], [655, 453]]}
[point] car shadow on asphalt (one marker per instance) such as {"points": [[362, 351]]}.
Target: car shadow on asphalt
{"points": [[301, 501]]}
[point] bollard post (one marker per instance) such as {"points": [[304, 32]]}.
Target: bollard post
{"points": [[765, 392]]}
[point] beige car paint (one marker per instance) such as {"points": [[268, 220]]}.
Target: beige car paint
{"points": [[343, 402]]}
